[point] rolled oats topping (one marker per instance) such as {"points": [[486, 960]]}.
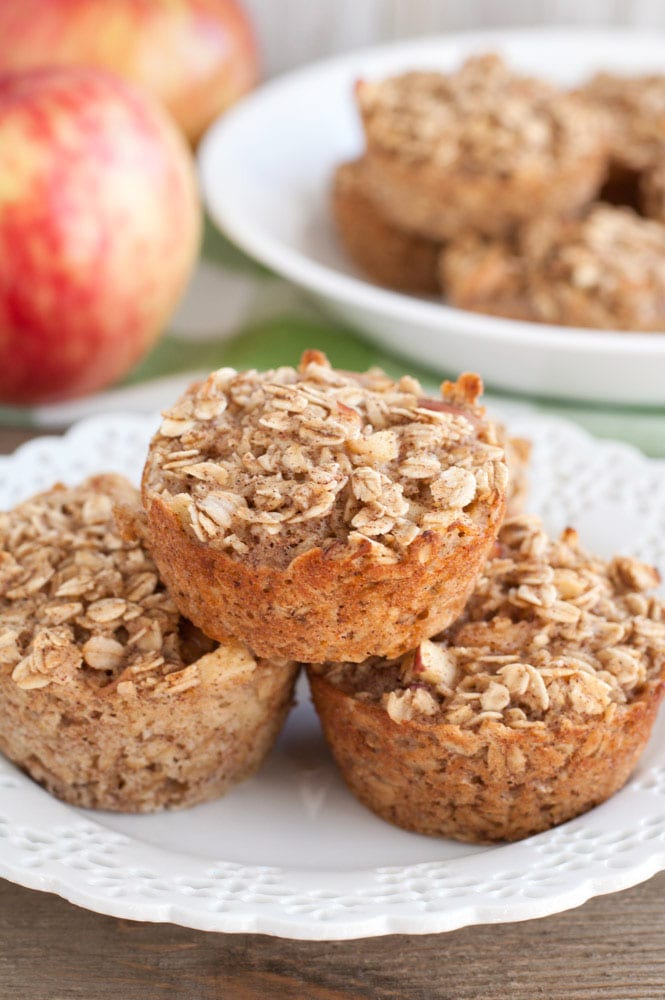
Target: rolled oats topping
{"points": [[549, 631], [282, 461], [80, 598], [652, 184], [636, 110], [481, 117], [609, 249], [605, 269]]}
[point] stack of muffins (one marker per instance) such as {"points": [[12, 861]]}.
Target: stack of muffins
{"points": [[474, 679], [512, 197]]}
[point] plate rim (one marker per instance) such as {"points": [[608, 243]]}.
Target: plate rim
{"points": [[60, 876]]}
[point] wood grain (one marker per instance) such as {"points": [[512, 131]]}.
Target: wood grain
{"points": [[612, 947], [12, 437]]}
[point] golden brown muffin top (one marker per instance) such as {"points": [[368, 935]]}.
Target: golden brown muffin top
{"points": [[481, 117], [611, 257], [636, 110], [652, 190], [602, 250], [268, 465], [549, 631], [80, 598]]}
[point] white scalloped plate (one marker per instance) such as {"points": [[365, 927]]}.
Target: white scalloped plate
{"points": [[290, 852]]}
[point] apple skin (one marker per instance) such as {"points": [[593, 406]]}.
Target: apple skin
{"points": [[100, 224], [196, 56]]}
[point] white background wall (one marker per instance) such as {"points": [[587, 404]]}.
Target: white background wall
{"points": [[297, 31]]}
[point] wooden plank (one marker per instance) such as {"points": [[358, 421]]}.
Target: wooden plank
{"points": [[12, 437], [612, 947]]}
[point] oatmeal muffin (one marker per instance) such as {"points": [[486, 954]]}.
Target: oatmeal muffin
{"points": [[108, 697], [481, 149], [319, 514], [531, 709], [388, 255], [605, 270]]}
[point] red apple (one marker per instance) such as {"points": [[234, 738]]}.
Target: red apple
{"points": [[100, 224], [196, 56]]}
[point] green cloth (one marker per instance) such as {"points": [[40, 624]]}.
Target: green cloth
{"points": [[239, 314]]}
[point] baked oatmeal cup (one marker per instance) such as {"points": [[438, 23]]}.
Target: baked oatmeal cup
{"points": [[605, 270], [481, 149], [320, 514], [108, 697], [531, 709], [388, 255]]}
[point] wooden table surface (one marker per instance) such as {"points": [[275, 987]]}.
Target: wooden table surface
{"points": [[612, 947]]}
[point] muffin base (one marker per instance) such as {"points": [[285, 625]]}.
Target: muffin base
{"points": [[96, 748], [388, 255], [444, 204], [483, 785], [340, 603]]}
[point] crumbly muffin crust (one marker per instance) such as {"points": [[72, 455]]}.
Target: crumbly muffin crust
{"points": [[482, 148], [487, 275], [107, 695], [312, 494], [548, 629], [532, 707], [483, 116], [652, 190], [315, 455], [605, 270], [77, 597], [387, 254], [634, 109]]}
